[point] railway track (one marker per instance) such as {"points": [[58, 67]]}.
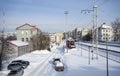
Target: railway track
{"points": [[103, 53]]}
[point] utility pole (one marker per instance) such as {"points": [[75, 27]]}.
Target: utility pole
{"points": [[94, 30]]}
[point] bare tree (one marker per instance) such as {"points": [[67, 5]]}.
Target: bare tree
{"points": [[116, 28], [40, 41], [2, 46]]}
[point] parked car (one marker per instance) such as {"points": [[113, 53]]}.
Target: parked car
{"points": [[24, 63], [15, 66], [55, 60], [18, 72], [58, 64]]}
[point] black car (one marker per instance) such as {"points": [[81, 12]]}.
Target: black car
{"points": [[15, 66], [18, 72], [24, 63]]}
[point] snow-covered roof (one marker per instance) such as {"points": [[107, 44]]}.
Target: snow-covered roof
{"points": [[18, 43], [41, 52], [105, 26]]}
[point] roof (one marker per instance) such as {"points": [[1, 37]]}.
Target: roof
{"points": [[18, 43], [27, 25], [104, 26]]}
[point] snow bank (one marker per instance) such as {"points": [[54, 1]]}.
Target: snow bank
{"points": [[41, 52]]}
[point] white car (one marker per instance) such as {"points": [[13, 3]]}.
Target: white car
{"points": [[58, 64]]}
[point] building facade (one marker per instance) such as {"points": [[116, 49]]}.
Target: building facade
{"points": [[58, 37], [105, 32], [79, 33], [117, 35], [52, 37], [17, 48], [25, 32]]}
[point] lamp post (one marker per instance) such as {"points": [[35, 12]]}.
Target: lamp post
{"points": [[66, 23]]}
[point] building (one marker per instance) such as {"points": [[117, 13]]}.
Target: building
{"points": [[26, 31], [52, 37], [79, 33], [105, 32], [117, 35], [58, 37], [17, 48]]}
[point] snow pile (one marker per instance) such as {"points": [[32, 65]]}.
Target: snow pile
{"points": [[41, 52]]}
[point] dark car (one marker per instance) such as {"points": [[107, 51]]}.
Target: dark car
{"points": [[24, 63], [58, 64], [18, 72], [15, 66]]}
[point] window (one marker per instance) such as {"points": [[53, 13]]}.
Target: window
{"points": [[26, 32], [31, 39], [27, 39], [22, 32], [22, 39], [103, 30], [106, 30], [31, 31]]}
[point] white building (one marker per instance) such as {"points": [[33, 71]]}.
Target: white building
{"points": [[105, 32], [26, 31], [56, 37], [17, 48], [52, 37]]}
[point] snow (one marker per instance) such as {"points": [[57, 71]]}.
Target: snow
{"points": [[105, 26], [18, 43], [75, 64], [58, 63]]}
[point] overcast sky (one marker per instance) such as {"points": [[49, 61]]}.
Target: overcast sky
{"points": [[49, 16]]}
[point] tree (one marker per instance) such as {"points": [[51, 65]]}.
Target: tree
{"points": [[116, 28], [11, 37], [2, 46], [40, 41], [87, 37]]}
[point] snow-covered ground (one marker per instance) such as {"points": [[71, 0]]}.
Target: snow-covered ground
{"points": [[75, 64]]}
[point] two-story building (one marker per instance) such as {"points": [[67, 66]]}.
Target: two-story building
{"points": [[26, 31]]}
